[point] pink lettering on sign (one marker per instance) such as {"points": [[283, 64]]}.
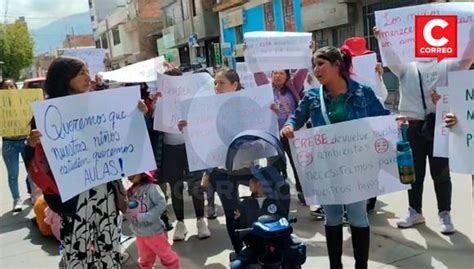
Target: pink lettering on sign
{"points": [[381, 145], [316, 140], [399, 32], [391, 21]]}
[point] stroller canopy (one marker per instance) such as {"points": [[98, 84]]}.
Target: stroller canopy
{"points": [[249, 137]]}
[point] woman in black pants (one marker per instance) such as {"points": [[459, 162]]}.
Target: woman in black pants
{"points": [[175, 171]]}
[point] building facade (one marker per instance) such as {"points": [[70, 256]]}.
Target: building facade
{"points": [[190, 33], [127, 34], [74, 41], [101, 9], [238, 17]]}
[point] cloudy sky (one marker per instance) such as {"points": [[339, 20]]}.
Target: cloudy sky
{"points": [[39, 13]]}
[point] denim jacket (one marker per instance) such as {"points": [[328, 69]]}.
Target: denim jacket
{"points": [[361, 102]]}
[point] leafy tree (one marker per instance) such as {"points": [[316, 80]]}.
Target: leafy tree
{"points": [[16, 48]]}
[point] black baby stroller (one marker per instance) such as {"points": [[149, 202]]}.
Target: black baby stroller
{"points": [[270, 235]]}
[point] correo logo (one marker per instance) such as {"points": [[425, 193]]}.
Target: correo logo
{"points": [[435, 36]]}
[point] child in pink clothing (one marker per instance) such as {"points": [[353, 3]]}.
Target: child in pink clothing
{"points": [[147, 203]]}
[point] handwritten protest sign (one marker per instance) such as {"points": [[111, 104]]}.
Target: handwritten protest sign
{"points": [[175, 89], [247, 78], [347, 162], [15, 110], [93, 138], [268, 51], [92, 56], [213, 121], [397, 26], [461, 137], [441, 138], [363, 71], [144, 71]]}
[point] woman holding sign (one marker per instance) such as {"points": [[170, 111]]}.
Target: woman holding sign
{"points": [[338, 99], [90, 233], [226, 183]]}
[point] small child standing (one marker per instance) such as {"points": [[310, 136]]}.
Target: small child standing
{"points": [[147, 203]]}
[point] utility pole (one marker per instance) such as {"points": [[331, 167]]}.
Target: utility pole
{"points": [[192, 49]]}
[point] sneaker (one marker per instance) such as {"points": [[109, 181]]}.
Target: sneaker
{"points": [[180, 231], [17, 205], [413, 218], [447, 226], [318, 213], [203, 231], [211, 212]]}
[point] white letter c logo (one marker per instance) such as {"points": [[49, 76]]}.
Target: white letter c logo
{"points": [[429, 37]]}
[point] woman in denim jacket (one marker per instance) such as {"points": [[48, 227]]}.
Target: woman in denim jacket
{"points": [[338, 99]]}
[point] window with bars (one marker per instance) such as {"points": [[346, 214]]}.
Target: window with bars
{"points": [[289, 15], [342, 33], [269, 16], [116, 35], [369, 19], [103, 38], [239, 35]]}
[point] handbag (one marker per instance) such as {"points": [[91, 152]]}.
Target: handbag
{"points": [[121, 199], [428, 127]]}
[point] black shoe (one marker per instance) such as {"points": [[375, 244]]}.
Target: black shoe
{"points": [[318, 213]]}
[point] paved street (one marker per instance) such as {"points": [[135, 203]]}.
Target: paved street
{"points": [[21, 245]]}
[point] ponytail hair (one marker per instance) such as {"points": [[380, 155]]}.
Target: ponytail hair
{"points": [[334, 55]]}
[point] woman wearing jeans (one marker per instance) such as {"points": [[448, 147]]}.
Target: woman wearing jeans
{"points": [[338, 99], [12, 148]]}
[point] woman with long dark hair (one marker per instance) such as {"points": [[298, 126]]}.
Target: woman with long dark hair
{"points": [[345, 100], [90, 233]]}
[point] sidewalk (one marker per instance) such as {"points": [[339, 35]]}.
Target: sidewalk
{"points": [[21, 245]]}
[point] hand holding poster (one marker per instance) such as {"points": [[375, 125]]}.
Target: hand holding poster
{"points": [[461, 137], [347, 162], [145, 71], [441, 138], [101, 140], [15, 111], [268, 51], [94, 58], [213, 121], [175, 89], [397, 30]]}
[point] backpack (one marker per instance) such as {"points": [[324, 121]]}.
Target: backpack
{"points": [[41, 173]]}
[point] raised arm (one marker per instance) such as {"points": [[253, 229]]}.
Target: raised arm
{"points": [[298, 80], [397, 67]]}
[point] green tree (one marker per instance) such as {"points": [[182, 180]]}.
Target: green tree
{"points": [[16, 48]]}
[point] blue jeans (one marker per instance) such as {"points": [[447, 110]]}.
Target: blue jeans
{"points": [[356, 214], [11, 151]]}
